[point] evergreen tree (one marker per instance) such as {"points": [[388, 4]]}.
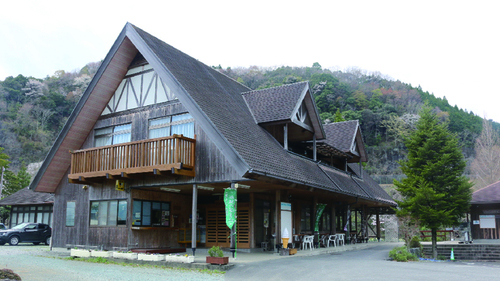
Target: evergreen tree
{"points": [[338, 116], [435, 191]]}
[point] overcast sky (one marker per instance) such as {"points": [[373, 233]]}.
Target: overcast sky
{"points": [[449, 48]]}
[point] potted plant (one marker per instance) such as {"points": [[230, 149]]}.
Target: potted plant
{"points": [[179, 258], [102, 254], [216, 256], [125, 255], [150, 257], [81, 253]]}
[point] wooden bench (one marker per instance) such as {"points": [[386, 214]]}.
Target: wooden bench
{"points": [[428, 233]]}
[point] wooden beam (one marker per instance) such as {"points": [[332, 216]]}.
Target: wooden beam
{"points": [[157, 172], [183, 172]]}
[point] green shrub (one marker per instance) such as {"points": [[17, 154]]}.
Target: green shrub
{"points": [[215, 251], [402, 254], [415, 242]]}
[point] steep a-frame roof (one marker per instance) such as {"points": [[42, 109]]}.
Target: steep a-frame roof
{"points": [[346, 137], [214, 100], [487, 195]]}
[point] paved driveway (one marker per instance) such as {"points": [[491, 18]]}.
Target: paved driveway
{"points": [[368, 264], [37, 263]]}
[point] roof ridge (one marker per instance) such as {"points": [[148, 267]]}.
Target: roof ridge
{"points": [[486, 186], [276, 87]]}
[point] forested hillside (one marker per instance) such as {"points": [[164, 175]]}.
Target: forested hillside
{"points": [[33, 110]]}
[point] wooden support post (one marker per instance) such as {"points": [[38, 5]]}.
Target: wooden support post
{"points": [[193, 218], [277, 228], [378, 224], [348, 223], [333, 224], [285, 137], [314, 148], [233, 229], [252, 220], [313, 219]]}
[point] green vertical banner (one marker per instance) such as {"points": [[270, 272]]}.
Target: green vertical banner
{"points": [[230, 201], [319, 211]]}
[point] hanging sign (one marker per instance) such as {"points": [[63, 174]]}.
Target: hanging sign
{"points": [[319, 211], [230, 201]]}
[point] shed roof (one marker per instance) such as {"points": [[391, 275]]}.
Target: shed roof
{"points": [[27, 196], [487, 195]]}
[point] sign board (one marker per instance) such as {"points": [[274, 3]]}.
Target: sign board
{"points": [[230, 201], [475, 222], [286, 206], [286, 219], [487, 221], [319, 211]]}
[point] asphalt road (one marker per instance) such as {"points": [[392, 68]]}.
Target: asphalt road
{"points": [[368, 264], [37, 263]]}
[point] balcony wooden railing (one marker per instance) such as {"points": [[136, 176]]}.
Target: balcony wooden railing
{"points": [[173, 153]]}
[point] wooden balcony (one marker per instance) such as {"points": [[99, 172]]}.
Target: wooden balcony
{"points": [[174, 154]]}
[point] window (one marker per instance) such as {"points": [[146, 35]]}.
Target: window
{"points": [[182, 124], [112, 135], [108, 213], [33, 214], [305, 218], [151, 213], [70, 214]]}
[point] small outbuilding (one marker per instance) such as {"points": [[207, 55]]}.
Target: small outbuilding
{"points": [[485, 212]]}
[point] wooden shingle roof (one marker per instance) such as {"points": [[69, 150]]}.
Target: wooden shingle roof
{"points": [[487, 195], [27, 196]]}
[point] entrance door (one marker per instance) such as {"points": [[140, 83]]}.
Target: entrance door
{"points": [[218, 233]]}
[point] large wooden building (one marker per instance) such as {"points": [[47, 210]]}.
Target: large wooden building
{"points": [[158, 136]]}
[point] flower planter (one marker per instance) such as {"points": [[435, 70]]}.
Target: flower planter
{"points": [[102, 254], [217, 260], [147, 257], [126, 256], [183, 259], [80, 253]]}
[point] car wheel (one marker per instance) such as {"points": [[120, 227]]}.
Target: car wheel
{"points": [[36, 243], [14, 240], [47, 241]]}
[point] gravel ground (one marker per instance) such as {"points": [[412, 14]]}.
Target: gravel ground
{"points": [[38, 263]]}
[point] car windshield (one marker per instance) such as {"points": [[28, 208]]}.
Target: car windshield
{"points": [[20, 226]]}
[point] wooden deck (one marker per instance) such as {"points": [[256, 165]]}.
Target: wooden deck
{"points": [[175, 154]]}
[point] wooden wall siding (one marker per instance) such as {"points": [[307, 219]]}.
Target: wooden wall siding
{"points": [[73, 235], [92, 109], [218, 233], [485, 233], [155, 237]]}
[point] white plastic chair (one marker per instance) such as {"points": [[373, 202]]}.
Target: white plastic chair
{"points": [[308, 240], [341, 238], [332, 238]]}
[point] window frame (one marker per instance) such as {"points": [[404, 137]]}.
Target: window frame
{"points": [[152, 214], [73, 215], [112, 134], [109, 203], [170, 124]]}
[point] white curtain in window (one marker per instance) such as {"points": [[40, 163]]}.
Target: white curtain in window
{"points": [[184, 128], [103, 136], [102, 214], [122, 133], [159, 128]]}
